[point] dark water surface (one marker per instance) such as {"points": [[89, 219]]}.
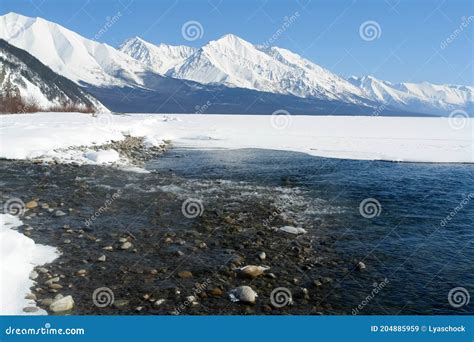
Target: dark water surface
{"points": [[409, 241]]}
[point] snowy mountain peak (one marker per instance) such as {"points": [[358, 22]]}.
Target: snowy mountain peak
{"points": [[230, 39], [159, 58], [230, 44]]}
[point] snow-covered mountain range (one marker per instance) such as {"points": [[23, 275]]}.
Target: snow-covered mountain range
{"points": [[28, 85], [234, 62], [182, 77]]}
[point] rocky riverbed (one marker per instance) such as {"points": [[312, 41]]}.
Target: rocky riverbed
{"points": [[155, 243]]}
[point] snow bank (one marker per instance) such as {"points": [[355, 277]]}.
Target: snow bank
{"points": [[103, 157], [47, 135], [372, 138], [19, 255]]}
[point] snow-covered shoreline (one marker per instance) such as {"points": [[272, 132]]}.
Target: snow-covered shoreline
{"points": [[19, 255], [409, 139]]}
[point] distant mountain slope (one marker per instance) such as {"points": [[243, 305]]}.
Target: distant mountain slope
{"points": [[173, 96], [421, 97], [36, 87]]}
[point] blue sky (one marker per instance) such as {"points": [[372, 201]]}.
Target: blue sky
{"points": [[409, 46]]}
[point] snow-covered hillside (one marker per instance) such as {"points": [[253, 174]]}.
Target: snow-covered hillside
{"points": [[32, 86], [69, 54]]}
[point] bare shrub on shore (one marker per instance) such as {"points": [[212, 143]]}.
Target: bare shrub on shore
{"points": [[15, 104]]}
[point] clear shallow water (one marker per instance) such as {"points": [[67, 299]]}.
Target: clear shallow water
{"points": [[406, 243]]}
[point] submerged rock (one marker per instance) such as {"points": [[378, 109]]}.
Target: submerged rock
{"points": [[192, 300], [62, 304], [292, 230], [59, 213], [52, 280], [244, 294], [81, 272], [216, 292], [31, 296], [126, 245], [252, 271], [159, 302], [42, 270], [31, 204], [185, 274], [121, 303]]}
